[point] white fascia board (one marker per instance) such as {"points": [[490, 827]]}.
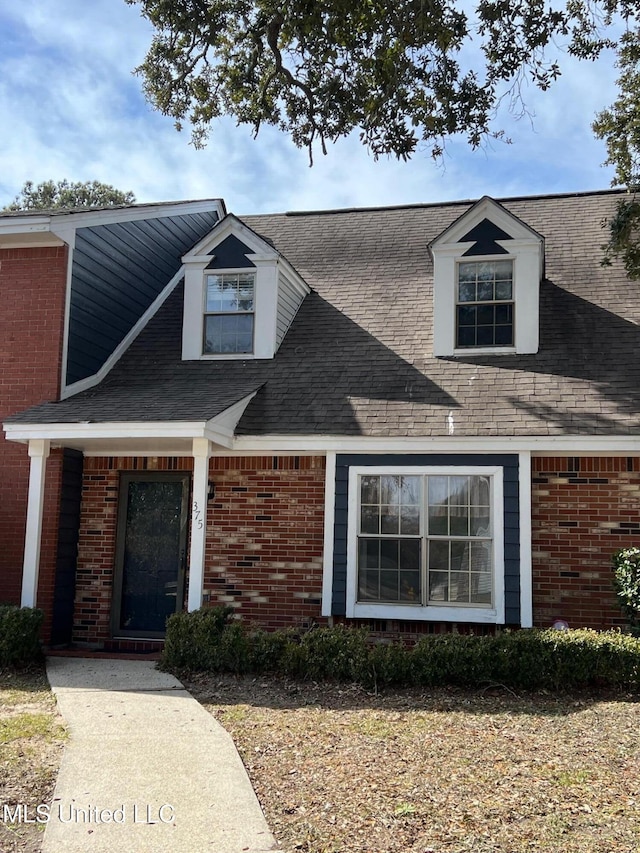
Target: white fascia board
{"points": [[486, 208], [220, 429], [62, 223], [220, 231], [228, 419], [31, 232], [125, 343], [569, 445], [24, 224], [118, 430]]}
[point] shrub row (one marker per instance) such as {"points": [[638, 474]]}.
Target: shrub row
{"points": [[532, 659], [20, 636]]}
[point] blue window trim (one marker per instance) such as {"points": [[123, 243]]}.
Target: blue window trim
{"points": [[511, 527]]}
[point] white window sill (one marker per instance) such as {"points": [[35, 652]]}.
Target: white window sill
{"points": [[431, 613], [226, 356], [465, 351]]}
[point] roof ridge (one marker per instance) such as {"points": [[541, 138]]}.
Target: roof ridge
{"points": [[432, 204]]}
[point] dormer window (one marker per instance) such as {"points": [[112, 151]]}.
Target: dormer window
{"points": [[487, 269], [240, 295], [229, 313], [484, 310]]}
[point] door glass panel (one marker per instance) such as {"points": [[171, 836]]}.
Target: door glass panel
{"points": [[152, 554]]}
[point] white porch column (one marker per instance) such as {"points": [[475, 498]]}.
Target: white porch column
{"points": [[38, 451], [526, 544], [201, 452]]}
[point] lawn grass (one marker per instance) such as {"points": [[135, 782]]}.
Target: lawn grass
{"points": [[340, 770], [31, 741]]}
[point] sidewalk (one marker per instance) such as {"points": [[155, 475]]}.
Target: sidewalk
{"points": [[146, 768]]}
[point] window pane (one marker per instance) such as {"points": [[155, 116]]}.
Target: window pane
{"points": [[410, 520], [213, 334], [504, 290], [369, 519], [479, 521], [503, 270], [485, 291], [389, 586], [467, 292], [458, 491], [380, 577], [485, 315], [467, 315], [390, 490], [503, 314], [480, 589], [410, 586], [410, 490], [370, 490], [467, 272], [459, 556], [459, 521], [439, 555], [466, 336], [459, 587], [438, 521], [485, 336], [410, 554], [504, 335], [245, 292], [389, 520], [438, 586], [389, 553], [369, 586], [438, 490], [228, 333], [229, 293], [369, 553], [479, 491], [480, 553]]}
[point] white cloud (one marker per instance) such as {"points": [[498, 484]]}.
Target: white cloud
{"points": [[71, 108]]}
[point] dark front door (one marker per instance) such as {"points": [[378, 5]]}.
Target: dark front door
{"points": [[150, 553]]}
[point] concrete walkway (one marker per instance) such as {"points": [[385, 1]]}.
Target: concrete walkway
{"points": [[146, 768]]}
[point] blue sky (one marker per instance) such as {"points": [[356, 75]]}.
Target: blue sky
{"points": [[71, 108]]}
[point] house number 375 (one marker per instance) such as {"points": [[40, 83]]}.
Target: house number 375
{"points": [[198, 521]]}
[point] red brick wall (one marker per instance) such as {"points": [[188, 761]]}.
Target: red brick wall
{"points": [[583, 510], [32, 289], [265, 534], [265, 538]]}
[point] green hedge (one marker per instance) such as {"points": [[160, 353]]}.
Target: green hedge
{"points": [[532, 659], [20, 636], [626, 582]]}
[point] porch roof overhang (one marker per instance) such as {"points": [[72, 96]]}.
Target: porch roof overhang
{"points": [[130, 438]]}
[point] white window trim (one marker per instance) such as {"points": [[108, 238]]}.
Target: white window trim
{"points": [[240, 271], [265, 272], [509, 348], [430, 612]]}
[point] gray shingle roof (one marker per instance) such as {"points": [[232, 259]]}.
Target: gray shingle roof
{"points": [[357, 359]]}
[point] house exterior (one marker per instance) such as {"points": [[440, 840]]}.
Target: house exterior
{"points": [[419, 418]]}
